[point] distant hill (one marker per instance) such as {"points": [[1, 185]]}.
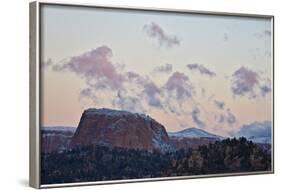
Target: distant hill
{"points": [[192, 138], [55, 139], [116, 128], [193, 133]]}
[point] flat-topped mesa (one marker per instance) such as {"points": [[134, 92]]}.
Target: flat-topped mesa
{"points": [[117, 128]]}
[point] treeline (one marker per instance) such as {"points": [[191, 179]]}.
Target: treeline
{"points": [[98, 163]]}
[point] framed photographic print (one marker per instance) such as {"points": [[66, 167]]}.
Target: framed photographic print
{"points": [[126, 94]]}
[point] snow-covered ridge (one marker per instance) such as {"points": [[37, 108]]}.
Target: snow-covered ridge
{"points": [[115, 113], [193, 133]]}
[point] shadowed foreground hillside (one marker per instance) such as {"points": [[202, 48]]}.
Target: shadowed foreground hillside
{"points": [[100, 163]]}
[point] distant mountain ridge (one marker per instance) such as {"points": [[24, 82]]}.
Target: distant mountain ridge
{"points": [[117, 128], [192, 138], [56, 138], [193, 133]]}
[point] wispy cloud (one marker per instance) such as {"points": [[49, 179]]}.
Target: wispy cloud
{"points": [[196, 118], [246, 82], [87, 93], [265, 89], [167, 68], [154, 31], [47, 64], [201, 68], [219, 104], [128, 103], [230, 117], [226, 117]]}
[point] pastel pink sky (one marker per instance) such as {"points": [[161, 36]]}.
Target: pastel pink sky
{"points": [[210, 72]]}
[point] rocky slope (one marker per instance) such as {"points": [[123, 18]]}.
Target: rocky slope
{"points": [[120, 129]]}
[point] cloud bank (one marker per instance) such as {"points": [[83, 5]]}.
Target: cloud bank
{"points": [[256, 129]]}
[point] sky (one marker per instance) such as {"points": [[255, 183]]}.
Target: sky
{"points": [[184, 70]]}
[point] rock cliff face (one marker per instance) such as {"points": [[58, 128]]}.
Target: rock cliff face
{"points": [[120, 129]]}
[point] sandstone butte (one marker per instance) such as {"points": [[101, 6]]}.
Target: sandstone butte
{"points": [[120, 129]]}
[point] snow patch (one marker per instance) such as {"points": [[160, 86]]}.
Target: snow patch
{"points": [[193, 133], [115, 113]]}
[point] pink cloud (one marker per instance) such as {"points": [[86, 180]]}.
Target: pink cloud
{"points": [[179, 84], [95, 64]]}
